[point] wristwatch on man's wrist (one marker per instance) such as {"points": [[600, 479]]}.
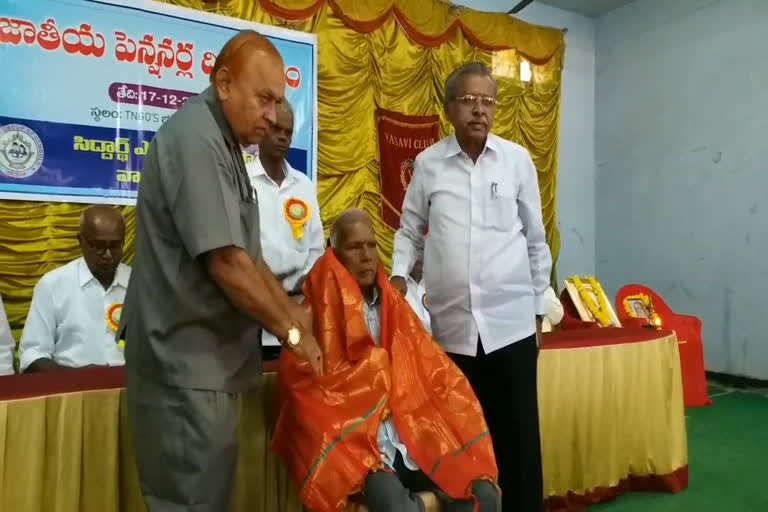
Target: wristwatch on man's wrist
{"points": [[294, 337]]}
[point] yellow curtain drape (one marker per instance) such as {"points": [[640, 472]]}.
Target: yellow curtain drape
{"points": [[391, 54]]}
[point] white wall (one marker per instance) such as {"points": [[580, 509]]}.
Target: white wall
{"points": [[576, 172], [682, 115]]}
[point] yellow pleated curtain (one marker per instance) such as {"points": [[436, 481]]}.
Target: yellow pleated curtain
{"points": [[391, 54]]}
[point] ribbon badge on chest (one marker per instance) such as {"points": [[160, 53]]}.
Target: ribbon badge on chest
{"points": [[296, 212], [113, 316]]}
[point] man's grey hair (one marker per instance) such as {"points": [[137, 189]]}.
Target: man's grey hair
{"points": [[334, 235], [347, 217], [472, 68]]}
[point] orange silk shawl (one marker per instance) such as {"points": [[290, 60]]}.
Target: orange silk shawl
{"points": [[326, 427]]}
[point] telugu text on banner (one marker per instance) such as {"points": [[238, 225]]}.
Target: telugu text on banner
{"points": [[86, 84]]}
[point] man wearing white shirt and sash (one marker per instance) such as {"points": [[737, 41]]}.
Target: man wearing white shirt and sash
{"points": [[292, 238], [486, 270]]}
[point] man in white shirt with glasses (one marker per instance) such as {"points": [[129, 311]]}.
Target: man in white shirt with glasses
{"points": [[76, 308], [292, 237], [486, 269]]}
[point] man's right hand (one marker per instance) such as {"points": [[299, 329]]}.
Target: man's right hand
{"points": [[309, 350], [399, 284], [302, 315]]}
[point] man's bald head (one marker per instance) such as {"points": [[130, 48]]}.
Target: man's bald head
{"points": [[233, 55], [286, 108], [276, 142], [101, 236], [354, 242], [101, 216], [249, 80]]}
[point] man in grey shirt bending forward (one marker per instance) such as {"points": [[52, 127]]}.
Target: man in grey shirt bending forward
{"points": [[200, 291]]}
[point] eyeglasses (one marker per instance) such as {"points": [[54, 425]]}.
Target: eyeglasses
{"points": [[100, 246], [471, 99]]}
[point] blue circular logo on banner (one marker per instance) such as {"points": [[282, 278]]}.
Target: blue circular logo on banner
{"points": [[21, 151]]}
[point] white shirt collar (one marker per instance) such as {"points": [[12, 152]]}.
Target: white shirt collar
{"points": [[374, 302], [452, 147], [85, 276], [257, 169]]}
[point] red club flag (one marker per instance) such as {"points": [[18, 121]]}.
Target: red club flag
{"points": [[401, 138]]}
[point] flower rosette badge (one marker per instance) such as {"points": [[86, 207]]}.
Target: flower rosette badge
{"points": [[296, 212], [113, 320]]}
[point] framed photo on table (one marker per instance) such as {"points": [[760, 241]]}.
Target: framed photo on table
{"points": [[641, 306], [637, 308], [591, 302]]}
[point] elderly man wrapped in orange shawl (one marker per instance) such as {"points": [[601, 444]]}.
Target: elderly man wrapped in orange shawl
{"points": [[391, 423]]}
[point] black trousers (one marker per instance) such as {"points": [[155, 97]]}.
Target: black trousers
{"points": [[505, 384], [270, 353]]}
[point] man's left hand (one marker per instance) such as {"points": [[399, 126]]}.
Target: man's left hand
{"points": [[539, 321]]}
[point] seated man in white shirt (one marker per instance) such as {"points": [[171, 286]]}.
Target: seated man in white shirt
{"points": [[292, 233], [416, 295], [7, 344], [75, 309]]}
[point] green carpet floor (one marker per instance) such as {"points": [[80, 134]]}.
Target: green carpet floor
{"points": [[728, 460]]}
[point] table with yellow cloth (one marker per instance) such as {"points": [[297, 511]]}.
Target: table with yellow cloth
{"points": [[72, 451], [611, 420], [612, 415]]}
